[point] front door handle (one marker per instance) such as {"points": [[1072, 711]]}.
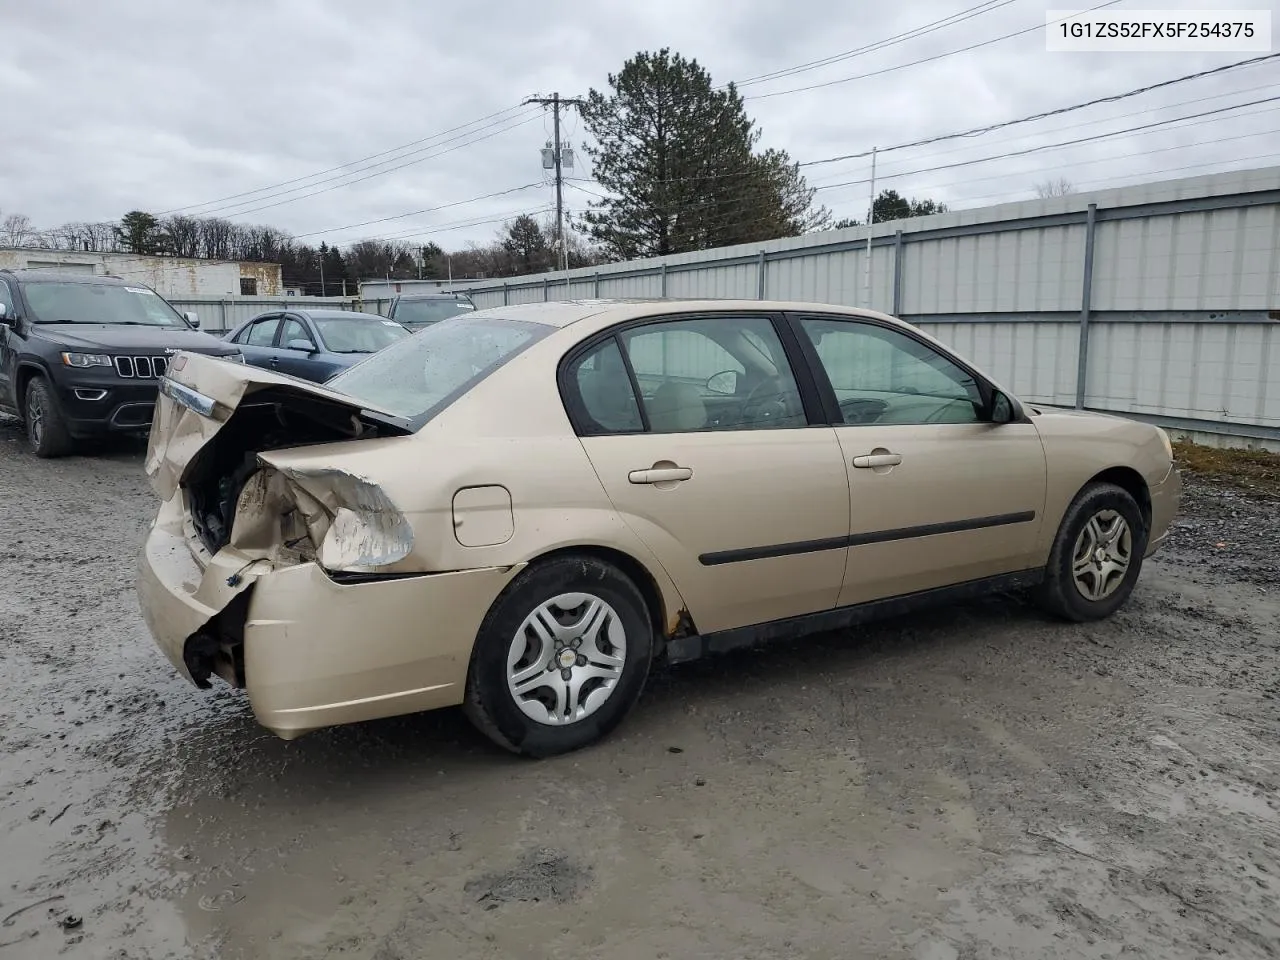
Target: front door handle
{"points": [[273, 361], [872, 460], [660, 475]]}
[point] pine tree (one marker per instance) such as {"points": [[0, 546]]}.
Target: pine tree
{"points": [[677, 155]]}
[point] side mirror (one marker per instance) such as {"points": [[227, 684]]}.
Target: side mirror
{"points": [[724, 383], [306, 346], [1001, 408], [191, 318], [6, 320]]}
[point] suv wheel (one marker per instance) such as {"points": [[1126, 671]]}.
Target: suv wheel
{"points": [[46, 428], [560, 658], [1097, 555]]}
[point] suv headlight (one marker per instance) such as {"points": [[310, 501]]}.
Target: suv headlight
{"points": [[86, 360]]}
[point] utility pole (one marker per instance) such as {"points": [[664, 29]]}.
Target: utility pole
{"points": [[558, 157], [871, 216]]}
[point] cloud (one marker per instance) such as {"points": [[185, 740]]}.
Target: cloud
{"points": [[161, 105]]}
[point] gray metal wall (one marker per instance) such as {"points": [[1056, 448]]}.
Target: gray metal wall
{"points": [[1173, 288], [220, 314]]}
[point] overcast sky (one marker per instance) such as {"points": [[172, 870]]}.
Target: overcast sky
{"points": [[160, 104]]}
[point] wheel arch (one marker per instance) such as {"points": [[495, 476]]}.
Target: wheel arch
{"points": [[1132, 482], [666, 609], [26, 372]]}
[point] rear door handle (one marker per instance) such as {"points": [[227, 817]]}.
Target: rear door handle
{"points": [[870, 460], [660, 474]]}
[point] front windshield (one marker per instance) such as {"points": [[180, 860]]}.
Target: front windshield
{"points": [[417, 314], [358, 334], [419, 376], [64, 302]]}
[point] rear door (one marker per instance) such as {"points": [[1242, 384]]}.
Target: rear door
{"points": [[257, 340], [8, 347], [938, 494], [698, 432]]}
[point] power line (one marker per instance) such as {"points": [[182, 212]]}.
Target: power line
{"points": [[341, 166], [1085, 163], [414, 213], [368, 176], [921, 31], [1090, 123], [916, 63], [976, 131], [1053, 146]]}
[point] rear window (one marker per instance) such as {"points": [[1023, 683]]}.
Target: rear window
{"points": [[417, 377], [358, 334], [420, 313]]}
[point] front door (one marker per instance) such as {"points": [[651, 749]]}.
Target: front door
{"points": [[716, 467], [938, 494]]}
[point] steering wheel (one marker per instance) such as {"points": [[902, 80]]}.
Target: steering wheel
{"points": [[766, 401]]}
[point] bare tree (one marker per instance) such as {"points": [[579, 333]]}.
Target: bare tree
{"points": [[184, 233], [16, 231], [1059, 187]]}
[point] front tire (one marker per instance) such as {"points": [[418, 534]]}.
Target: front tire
{"points": [[561, 657], [46, 428], [1096, 556]]}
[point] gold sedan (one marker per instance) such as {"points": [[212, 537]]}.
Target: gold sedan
{"points": [[520, 509]]}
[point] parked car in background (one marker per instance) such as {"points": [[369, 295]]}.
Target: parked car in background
{"points": [[520, 509], [82, 356], [313, 344], [419, 311]]}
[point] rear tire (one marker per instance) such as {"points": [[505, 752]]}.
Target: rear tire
{"points": [[561, 657], [46, 428], [1096, 556]]}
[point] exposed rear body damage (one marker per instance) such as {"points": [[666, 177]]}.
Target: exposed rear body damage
{"points": [[247, 545]]}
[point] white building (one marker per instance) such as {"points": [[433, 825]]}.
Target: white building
{"points": [[172, 277]]}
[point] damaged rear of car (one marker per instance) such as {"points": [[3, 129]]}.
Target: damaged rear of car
{"points": [[281, 561]]}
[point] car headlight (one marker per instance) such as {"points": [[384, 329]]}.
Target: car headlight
{"points": [[86, 360], [234, 357], [1168, 444]]}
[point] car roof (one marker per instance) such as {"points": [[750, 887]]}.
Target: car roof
{"points": [[58, 276], [562, 313], [433, 296], [329, 314]]}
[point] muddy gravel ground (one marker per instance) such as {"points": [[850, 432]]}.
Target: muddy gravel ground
{"points": [[976, 782]]}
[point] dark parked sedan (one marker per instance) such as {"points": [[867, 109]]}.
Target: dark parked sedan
{"points": [[313, 344]]}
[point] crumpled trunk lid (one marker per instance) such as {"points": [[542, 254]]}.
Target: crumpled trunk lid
{"points": [[200, 395]]}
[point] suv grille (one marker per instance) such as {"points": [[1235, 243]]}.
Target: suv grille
{"points": [[142, 368]]}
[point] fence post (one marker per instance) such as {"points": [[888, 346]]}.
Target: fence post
{"points": [[223, 305], [546, 289], [897, 273], [595, 292], [506, 293], [1086, 298], [663, 271], [761, 269]]}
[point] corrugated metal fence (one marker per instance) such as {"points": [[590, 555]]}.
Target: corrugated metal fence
{"points": [[1170, 292], [1160, 301], [220, 314]]}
